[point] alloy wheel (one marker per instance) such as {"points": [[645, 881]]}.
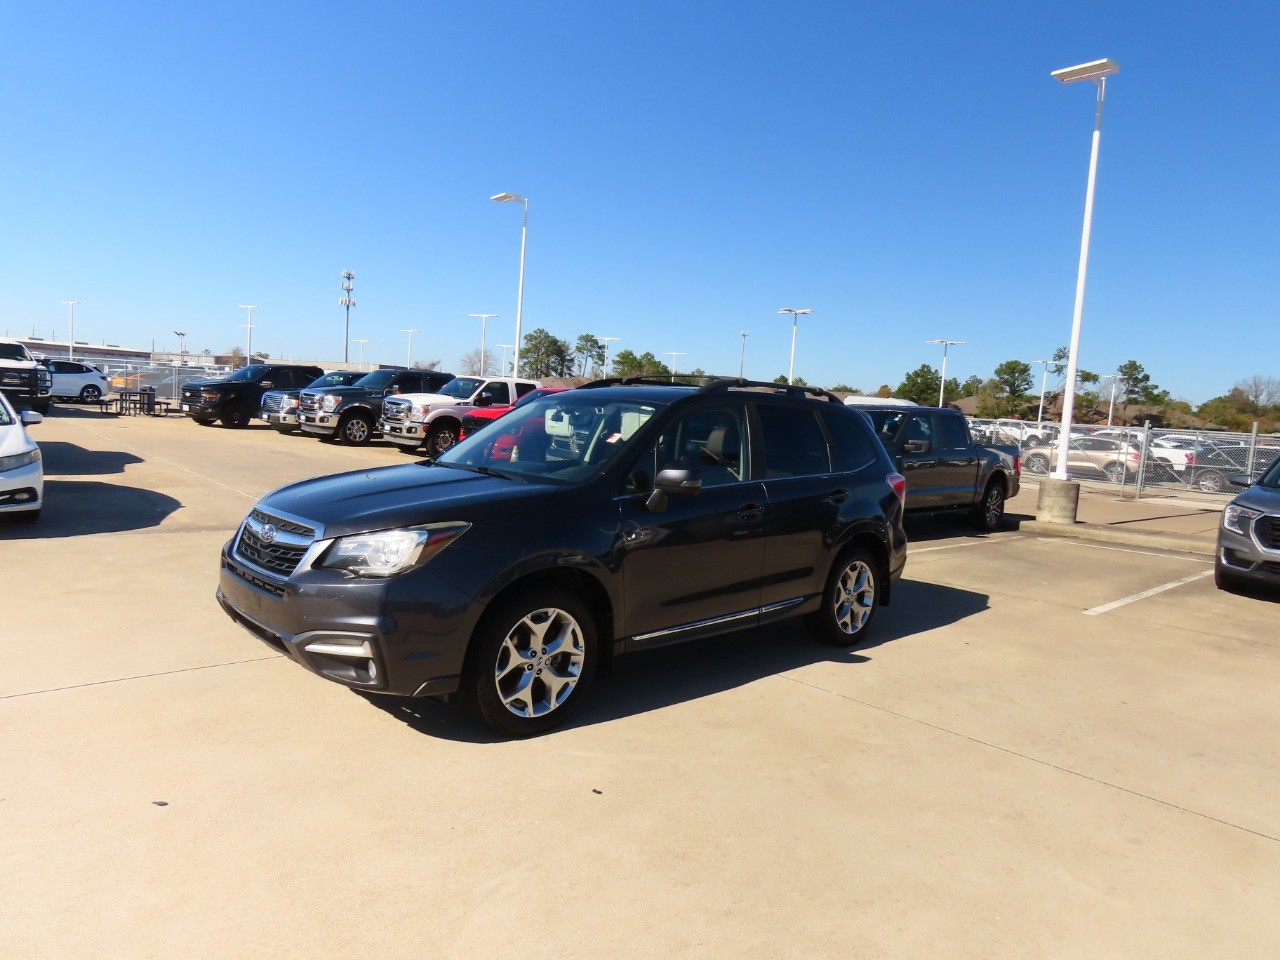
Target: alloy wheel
{"points": [[855, 597], [539, 663]]}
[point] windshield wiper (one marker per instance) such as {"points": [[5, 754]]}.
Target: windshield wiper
{"points": [[479, 468]]}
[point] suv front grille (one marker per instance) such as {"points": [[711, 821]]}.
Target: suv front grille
{"points": [[272, 544], [1267, 529], [284, 526], [190, 394], [272, 402], [278, 558]]}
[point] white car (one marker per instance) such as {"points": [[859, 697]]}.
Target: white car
{"points": [[21, 472], [73, 380]]}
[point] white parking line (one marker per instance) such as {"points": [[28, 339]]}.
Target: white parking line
{"points": [[1098, 546], [967, 543], [1107, 607]]}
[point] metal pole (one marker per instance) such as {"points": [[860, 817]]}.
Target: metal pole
{"points": [[484, 319], [1253, 450], [1073, 353], [1111, 407], [524, 237], [942, 387], [408, 360], [606, 341], [742, 359], [1142, 464], [1044, 382], [791, 370], [71, 341]]}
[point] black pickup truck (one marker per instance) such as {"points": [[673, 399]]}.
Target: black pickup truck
{"points": [[235, 399], [945, 469]]}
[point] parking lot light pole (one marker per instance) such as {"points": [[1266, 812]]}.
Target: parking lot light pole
{"points": [[1044, 382], [362, 343], [524, 236], [248, 348], [1115, 379], [791, 371], [71, 340], [408, 360], [1097, 71], [484, 319], [505, 347], [673, 354], [606, 341], [347, 301], [742, 357], [942, 387]]}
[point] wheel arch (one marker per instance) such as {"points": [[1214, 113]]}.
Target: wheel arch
{"points": [[867, 540]]}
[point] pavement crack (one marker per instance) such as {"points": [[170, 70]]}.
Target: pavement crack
{"points": [[140, 676]]}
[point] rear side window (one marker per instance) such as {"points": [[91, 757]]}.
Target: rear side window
{"points": [[500, 392], [851, 443], [951, 435], [523, 388], [794, 444]]}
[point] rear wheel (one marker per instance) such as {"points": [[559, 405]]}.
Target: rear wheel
{"points": [[235, 416], [1211, 482], [1116, 472], [849, 601], [531, 663], [442, 436], [90, 394], [356, 429], [1037, 463], [989, 513], [204, 421]]}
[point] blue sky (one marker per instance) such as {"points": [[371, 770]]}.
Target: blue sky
{"points": [[909, 171]]}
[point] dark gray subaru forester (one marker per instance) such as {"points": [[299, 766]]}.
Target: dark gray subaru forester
{"points": [[619, 516]]}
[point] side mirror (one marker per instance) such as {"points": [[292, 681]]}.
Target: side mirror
{"points": [[678, 481], [30, 418], [267, 385], [1239, 480], [483, 400], [917, 446]]}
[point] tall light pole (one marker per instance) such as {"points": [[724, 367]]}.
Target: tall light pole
{"points": [[1044, 382], [524, 236], [71, 341], [673, 354], [1097, 71], [408, 360], [248, 351], [1115, 379], [742, 357], [791, 371], [484, 319], [505, 347], [347, 301], [942, 389], [362, 343], [182, 343], [606, 341]]}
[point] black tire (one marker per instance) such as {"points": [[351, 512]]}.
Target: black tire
{"points": [[27, 516], [849, 600], [90, 394], [493, 684], [1227, 581], [204, 421], [1210, 481], [236, 416], [442, 435], [41, 406], [1116, 472], [1037, 463], [355, 430], [988, 515]]}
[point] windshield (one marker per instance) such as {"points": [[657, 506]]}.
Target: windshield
{"points": [[563, 438], [13, 351], [341, 379], [1272, 477], [460, 387], [251, 373], [6, 419], [376, 380]]}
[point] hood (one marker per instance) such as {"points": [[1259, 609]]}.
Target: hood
{"points": [[436, 400], [1266, 499], [405, 495], [201, 384], [343, 391]]}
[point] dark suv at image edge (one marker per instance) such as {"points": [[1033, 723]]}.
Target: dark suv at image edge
{"points": [[619, 516], [235, 399]]}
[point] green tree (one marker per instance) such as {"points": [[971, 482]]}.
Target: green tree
{"points": [[782, 378], [1059, 369], [1136, 387], [845, 388], [920, 385], [1015, 377], [627, 363], [545, 355], [884, 391], [236, 357], [590, 354], [971, 386]]}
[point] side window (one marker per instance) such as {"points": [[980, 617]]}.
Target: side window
{"points": [[794, 445], [523, 388], [60, 366], [500, 391], [712, 440], [851, 443], [951, 435], [920, 427]]}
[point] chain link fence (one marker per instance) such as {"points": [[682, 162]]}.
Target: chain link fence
{"points": [[1140, 458]]}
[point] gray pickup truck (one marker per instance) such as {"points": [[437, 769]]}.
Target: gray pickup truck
{"points": [[945, 469]]}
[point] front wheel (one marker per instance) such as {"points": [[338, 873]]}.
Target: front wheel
{"points": [[1210, 482], [989, 513], [90, 394], [443, 435], [1037, 463], [1116, 472], [235, 416], [356, 430], [849, 601]]}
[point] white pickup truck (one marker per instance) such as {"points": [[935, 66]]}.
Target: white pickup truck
{"points": [[411, 420], [25, 380]]}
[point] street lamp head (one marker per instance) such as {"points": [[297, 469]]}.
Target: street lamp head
{"points": [[507, 197], [947, 343], [797, 313], [1087, 71], [179, 333]]}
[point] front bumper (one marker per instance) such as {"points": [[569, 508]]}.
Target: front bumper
{"points": [[279, 419], [404, 434], [404, 635], [200, 409], [1243, 557], [22, 488], [324, 424]]}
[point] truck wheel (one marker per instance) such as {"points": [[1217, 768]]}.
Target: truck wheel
{"points": [[532, 661], [988, 515], [355, 429], [236, 416], [849, 601], [443, 435], [90, 394]]}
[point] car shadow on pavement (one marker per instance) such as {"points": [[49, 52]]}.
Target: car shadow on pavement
{"points": [[61, 458], [74, 508], [946, 526], [657, 679]]}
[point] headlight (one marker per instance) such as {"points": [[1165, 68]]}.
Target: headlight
{"points": [[417, 414], [289, 403], [330, 403], [210, 396], [1238, 518], [389, 552], [19, 460]]}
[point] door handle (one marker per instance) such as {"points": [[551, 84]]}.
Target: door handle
{"points": [[839, 495], [750, 511]]}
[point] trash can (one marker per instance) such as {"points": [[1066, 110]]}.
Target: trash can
{"points": [[147, 401]]}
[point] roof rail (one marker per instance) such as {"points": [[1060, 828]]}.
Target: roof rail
{"points": [[716, 384]]}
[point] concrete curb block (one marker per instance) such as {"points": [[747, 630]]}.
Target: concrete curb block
{"points": [[1179, 543]]}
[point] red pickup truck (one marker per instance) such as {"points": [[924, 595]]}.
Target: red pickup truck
{"points": [[482, 416]]}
